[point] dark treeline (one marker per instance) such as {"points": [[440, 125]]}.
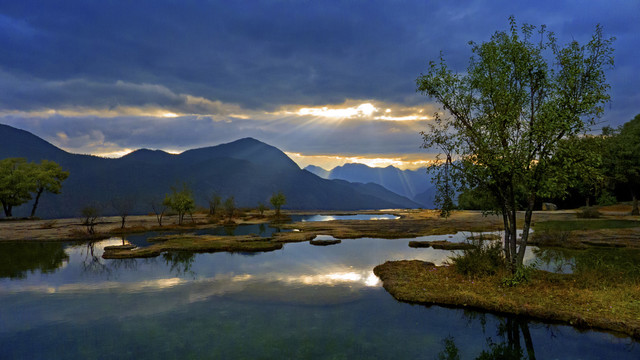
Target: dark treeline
{"points": [[613, 174]]}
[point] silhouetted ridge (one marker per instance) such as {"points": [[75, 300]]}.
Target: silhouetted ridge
{"points": [[247, 169], [16, 141], [146, 155]]}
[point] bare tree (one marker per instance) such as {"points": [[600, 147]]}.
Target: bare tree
{"points": [[159, 208], [214, 201], [123, 207], [91, 214]]}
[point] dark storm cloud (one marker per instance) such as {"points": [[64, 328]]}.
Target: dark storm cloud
{"points": [[260, 55], [100, 135]]}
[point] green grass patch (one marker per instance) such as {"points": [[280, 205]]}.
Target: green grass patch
{"points": [[576, 299], [586, 224]]}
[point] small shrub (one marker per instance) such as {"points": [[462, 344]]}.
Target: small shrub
{"points": [[522, 275], [589, 212], [606, 199], [480, 260]]}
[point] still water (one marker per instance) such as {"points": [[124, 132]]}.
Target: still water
{"points": [[64, 301]]}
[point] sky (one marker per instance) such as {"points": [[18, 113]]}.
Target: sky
{"points": [[328, 82]]}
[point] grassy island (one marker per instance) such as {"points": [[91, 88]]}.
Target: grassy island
{"points": [[584, 300]]}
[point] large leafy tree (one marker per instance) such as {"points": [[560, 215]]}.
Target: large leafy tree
{"points": [[19, 179], [47, 177], [504, 118], [181, 201], [16, 183], [277, 200], [623, 158]]}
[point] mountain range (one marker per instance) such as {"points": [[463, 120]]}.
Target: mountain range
{"points": [[413, 184], [247, 169]]}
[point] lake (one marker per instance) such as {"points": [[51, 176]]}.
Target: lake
{"points": [[62, 301]]}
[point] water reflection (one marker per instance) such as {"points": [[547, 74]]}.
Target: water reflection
{"points": [[17, 259], [179, 262], [511, 334], [304, 218], [620, 261], [298, 302]]}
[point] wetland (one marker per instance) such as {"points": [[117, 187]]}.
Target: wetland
{"points": [[64, 299]]}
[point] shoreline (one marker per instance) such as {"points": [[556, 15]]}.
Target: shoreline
{"points": [[548, 296]]}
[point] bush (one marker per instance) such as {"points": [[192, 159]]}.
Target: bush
{"points": [[480, 260], [521, 276], [606, 198], [589, 212]]}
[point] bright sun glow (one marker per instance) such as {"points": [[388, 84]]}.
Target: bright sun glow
{"points": [[365, 109], [114, 154], [328, 162]]}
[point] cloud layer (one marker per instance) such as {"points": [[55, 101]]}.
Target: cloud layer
{"points": [[103, 77]]}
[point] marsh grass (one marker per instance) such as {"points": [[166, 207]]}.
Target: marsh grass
{"points": [[479, 259], [602, 292]]}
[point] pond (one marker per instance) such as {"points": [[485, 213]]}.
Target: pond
{"points": [[65, 301], [304, 218], [262, 230]]}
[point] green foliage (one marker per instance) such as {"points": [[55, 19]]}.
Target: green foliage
{"points": [[481, 260], [19, 179], [606, 198], [48, 177], [477, 199], [181, 201], [508, 121], [17, 259], [277, 200], [522, 275], [587, 178], [622, 158], [262, 208], [230, 207], [16, 183]]}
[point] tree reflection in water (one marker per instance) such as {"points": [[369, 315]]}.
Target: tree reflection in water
{"points": [[511, 333], [180, 261], [92, 260], [19, 258]]}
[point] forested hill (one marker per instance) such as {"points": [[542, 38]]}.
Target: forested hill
{"points": [[247, 169]]}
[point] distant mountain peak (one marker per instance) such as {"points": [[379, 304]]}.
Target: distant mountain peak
{"points": [[247, 169], [317, 170]]}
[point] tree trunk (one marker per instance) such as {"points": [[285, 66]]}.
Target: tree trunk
{"points": [[507, 239], [123, 219], [587, 201], [525, 231], [524, 326], [35, 203], [635, 210], [7, 210]]}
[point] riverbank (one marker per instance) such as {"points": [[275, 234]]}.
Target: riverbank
{"points": [[567, 298]]}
